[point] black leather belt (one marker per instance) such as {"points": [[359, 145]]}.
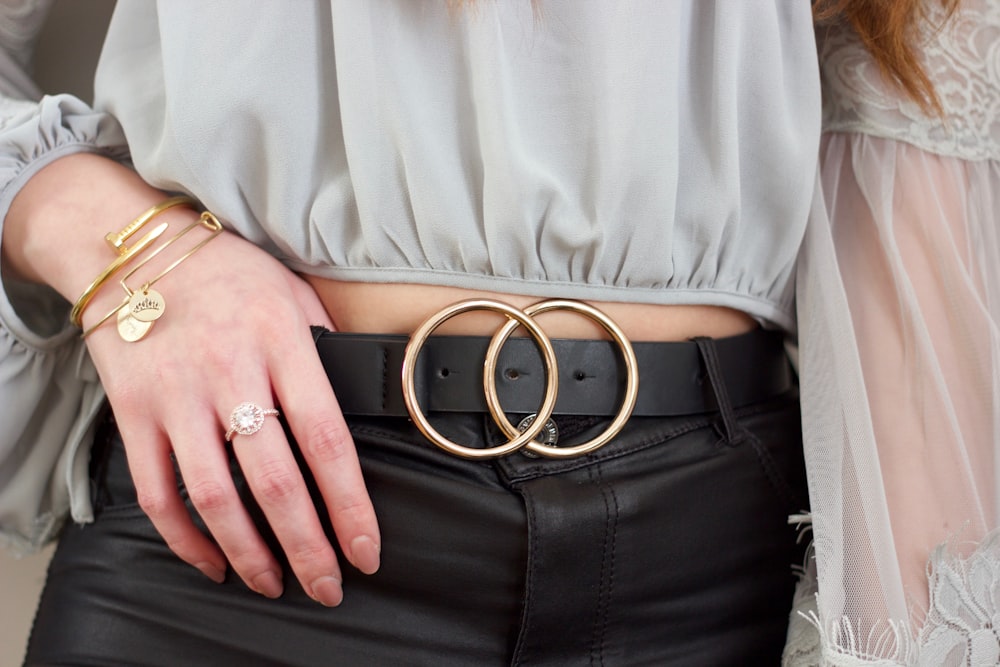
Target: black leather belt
{"points": [[365, 372]]}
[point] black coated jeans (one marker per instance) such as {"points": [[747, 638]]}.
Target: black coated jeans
{"points": [[668, 546]]}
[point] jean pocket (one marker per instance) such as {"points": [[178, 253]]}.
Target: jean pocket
{"points": [[774, 435]]}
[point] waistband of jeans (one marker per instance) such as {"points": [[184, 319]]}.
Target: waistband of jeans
{"points": [[365, 371]]}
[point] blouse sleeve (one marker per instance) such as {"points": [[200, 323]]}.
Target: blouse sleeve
{"points": [[899, 306], [901, 401], [49, 391]]}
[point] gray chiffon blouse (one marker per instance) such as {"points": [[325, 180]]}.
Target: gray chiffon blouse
{"points": [[642, 151]]}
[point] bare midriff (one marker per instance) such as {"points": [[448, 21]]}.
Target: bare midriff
{"points": [[401, 308]]}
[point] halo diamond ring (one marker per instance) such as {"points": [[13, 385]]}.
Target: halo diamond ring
{"points": [[247, 418]]}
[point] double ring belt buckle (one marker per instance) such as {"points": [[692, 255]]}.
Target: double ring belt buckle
{"points": [[519, 439]]}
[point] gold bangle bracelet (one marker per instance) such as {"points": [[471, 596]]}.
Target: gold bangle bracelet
{"points": [[117, 240], [76, 315], [137, 331]]}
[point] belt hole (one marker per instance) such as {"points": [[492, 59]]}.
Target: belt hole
{"points": [[579, 376], [444, 372], [511, 374]]}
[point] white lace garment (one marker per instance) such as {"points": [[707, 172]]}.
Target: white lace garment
{"points": [[899, 301]]}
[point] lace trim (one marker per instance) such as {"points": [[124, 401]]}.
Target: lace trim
{"points": [[964, 618], [962, 59], [961, 627]]}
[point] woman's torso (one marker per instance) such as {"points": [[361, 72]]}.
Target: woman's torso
{"points": [[657, 158]]}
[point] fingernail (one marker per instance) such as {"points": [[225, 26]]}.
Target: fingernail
{"points": [[212, 572], [327, 591], [365, 554], [268, 584]]}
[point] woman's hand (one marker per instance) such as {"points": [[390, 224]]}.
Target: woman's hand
{"points": [[235, 329]]}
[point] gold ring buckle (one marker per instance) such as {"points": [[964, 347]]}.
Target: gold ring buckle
{"points": [[417, 341], [516, 318], [631, 383]]}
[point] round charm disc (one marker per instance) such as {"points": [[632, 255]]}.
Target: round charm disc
{"points": [[146, 306], [129, 328]]}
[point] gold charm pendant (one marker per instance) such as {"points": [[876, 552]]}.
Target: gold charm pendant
{"points": [[146, 305], [140, 309], [129, 328]]}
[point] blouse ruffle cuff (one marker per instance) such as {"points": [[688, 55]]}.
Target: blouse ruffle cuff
{"points": [[49, 391]]}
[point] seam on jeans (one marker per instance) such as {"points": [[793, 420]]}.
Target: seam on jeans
{"points": [[720, 441], [772, 473], [604, 454], [614, 566], [385, 376], [601, 455], [659, 437], [595, 645], [528, 579], [608, 561]]}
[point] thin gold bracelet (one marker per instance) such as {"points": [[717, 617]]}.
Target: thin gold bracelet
{"points": [[129, 327], [117, 240], [76, 315]]}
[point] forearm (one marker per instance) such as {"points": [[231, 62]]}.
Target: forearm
{"points": [[55, 228]]}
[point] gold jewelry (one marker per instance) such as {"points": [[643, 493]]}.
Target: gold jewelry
{"points": [[140, 308], [117, 240], [538, 423], [76, 314], [247, 418], [409, 383], [631, 378]]}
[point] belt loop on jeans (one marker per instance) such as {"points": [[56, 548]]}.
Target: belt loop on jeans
{"points": [[734, 434]]}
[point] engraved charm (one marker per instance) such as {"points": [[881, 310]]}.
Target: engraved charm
{"points": [[146, 305], [129, 328]]}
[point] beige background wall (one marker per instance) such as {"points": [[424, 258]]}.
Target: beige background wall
{"points": [[20, 582], [67, 51]]}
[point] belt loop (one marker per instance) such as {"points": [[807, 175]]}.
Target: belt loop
{"points": [[709, 355]]}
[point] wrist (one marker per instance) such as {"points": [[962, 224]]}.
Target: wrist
{"points": [[137, 285], [55, 229]]}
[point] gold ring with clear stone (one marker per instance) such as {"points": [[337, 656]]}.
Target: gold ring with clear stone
{"points": [[247, 418]]}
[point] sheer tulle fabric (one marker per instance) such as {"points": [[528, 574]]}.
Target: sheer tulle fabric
{"points": [[901, 392]]}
